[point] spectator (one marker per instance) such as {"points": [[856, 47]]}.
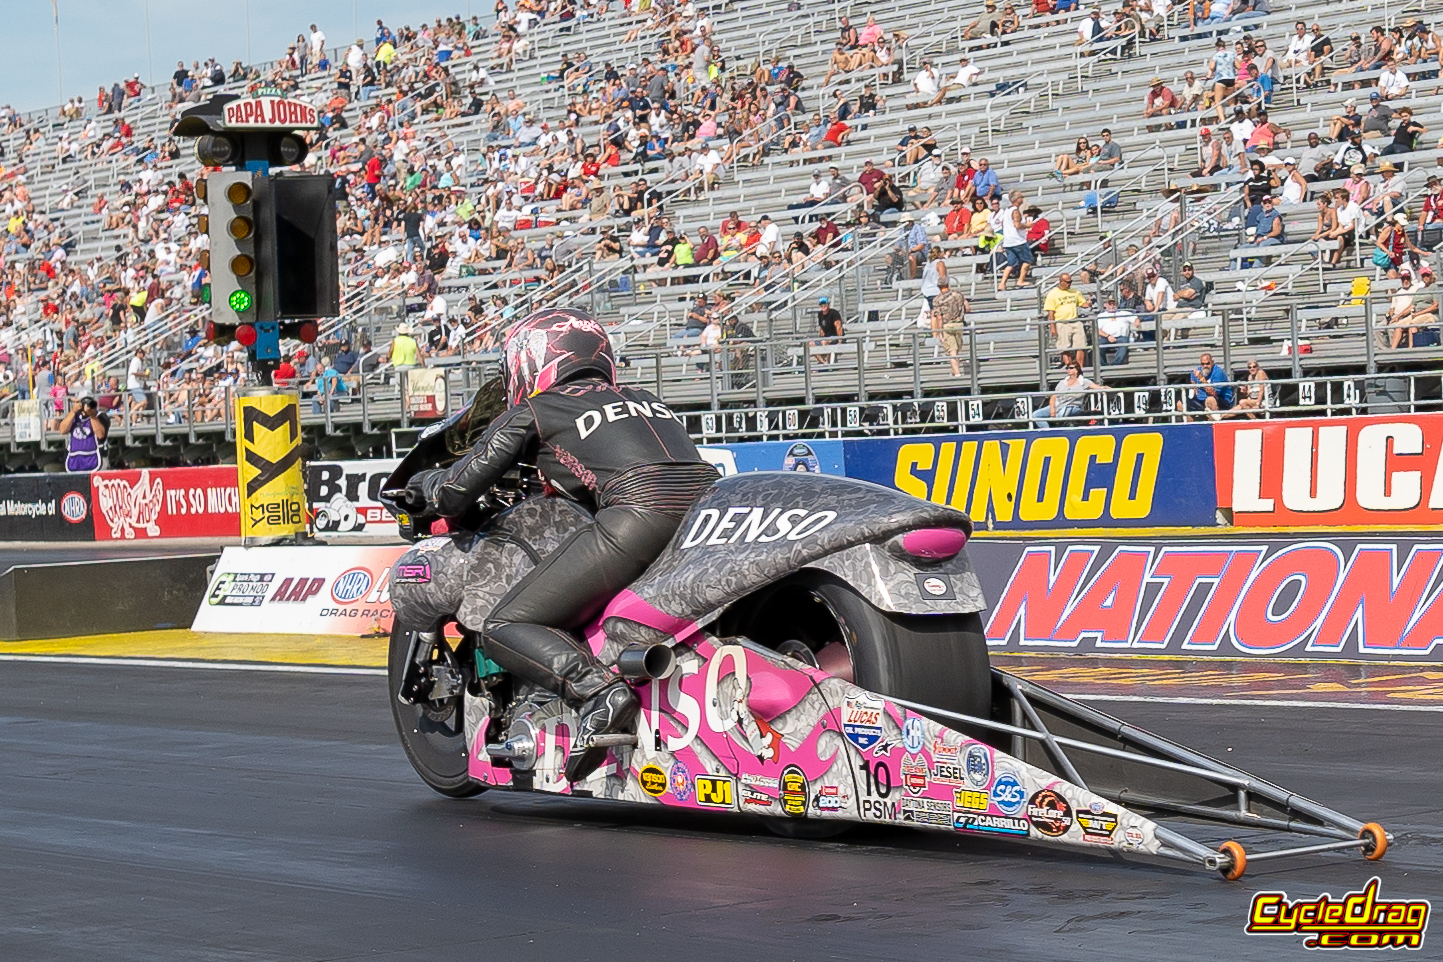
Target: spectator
{"points": [[1418, 326], [1430, 218], [911, 248], [1269, 231], [966, 73], [1160, 101], [1110, 155], [1406, 134], [137, 382], [1062, 305], [1014, 242], [933, 275], [1115, 328], [926, 82], [1190, 95], [1068, 396], [328, 385], [1157, 297], [829, 325], [86, 428], [1391, 248], [989, 24], [1212, 395], [985, 183], [1378, 121], [948, 320], [1254, 396], [1077, 162], [1315, 161], [405, 352], [345, 358], [1393, 81], [1223, 72]]}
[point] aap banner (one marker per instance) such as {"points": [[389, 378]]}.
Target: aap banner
{"points": [[1376, 599], [1089, 478], [1376, 470], [329, 590], [165, 503]]}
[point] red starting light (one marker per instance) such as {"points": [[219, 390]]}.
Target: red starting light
{"points": [[308, 332], [210, 330], [246, 334]]}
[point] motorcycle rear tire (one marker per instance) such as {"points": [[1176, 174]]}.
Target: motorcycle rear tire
{"points": [[435, 750]]}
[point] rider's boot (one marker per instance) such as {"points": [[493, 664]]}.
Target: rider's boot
{"points": [[611, 711]]}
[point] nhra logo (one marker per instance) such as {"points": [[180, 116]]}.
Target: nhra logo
{"points": [[351, 586], [73, 507]]}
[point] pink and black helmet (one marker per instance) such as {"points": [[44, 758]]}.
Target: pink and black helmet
{"points": [[552, 346]]}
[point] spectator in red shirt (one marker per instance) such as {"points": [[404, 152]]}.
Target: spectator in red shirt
{"points": [[837, 134], [285, 374], [732, 224], [706, 251], [826, 233], [870, 177], [1039, 235], [1161, 101], [957, 219]]}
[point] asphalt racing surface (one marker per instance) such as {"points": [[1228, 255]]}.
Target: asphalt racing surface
{"points": [[155, 813]]}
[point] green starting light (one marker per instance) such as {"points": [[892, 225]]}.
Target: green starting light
{"points": [[240, 301]]}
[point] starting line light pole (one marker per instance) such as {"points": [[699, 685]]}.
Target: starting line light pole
{"points": [[273, 261]]}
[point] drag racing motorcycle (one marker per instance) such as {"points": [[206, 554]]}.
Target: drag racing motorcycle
{"points": [[808, 650]]}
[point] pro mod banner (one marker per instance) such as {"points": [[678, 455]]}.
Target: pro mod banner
{"points": [[165, 503], [268, 458], [345, 498], [1090, 478], [1256, 598], [1375, 470], [330, 590]]}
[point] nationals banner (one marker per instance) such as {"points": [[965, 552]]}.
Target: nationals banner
{"points": [[1375, 599], [1088, 478], [1375, 470], [165, 503], [344, 498], [315, 590]]}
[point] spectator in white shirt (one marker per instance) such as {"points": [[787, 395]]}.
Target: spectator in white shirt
{"points": [[771, 239], [926, 82], [1392, 82], [1115, 330], [1298, 46], [967, 72]]}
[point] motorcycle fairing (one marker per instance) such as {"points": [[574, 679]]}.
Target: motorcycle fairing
{"points": [[753, 529], [907, 586], [736, 728]]}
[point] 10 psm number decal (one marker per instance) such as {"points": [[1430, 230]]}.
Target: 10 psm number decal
{"points": [[877, 778]]}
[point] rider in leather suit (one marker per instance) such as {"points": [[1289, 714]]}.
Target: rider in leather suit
{"points": [[614, 449]]}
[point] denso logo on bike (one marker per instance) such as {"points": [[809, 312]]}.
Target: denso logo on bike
{"points": [[351, 585], [747, 525]]}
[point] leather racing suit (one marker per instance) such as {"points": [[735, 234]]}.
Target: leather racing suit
{"points": [[617, 451]]}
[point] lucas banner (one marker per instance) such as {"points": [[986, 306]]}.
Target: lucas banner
{"points": [[315, 590], [268, 458], [1375, 470], [1348, 599], [1089, 478], [165, 503]]}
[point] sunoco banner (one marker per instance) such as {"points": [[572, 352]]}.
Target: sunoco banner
{"points": [[1331, 598]]}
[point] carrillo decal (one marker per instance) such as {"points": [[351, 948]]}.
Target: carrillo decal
{"points": [[713, 526]]}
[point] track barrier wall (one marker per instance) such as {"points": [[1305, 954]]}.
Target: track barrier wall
{"points": [[64, 600]]}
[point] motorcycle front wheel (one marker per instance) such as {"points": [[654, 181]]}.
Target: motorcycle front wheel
{"points": [[433, 733]]}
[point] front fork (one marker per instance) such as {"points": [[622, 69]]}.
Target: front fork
{"points": [[425, 680]]}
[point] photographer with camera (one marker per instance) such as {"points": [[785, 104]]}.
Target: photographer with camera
{"points": [[86, 428]]}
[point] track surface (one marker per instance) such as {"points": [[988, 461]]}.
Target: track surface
{"points": [[156, 813]]}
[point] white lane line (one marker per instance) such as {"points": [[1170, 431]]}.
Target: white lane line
{"points": [[1260, 702], [217, 665]]}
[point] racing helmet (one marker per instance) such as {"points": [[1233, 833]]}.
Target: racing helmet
{"points": [[552, 346]]}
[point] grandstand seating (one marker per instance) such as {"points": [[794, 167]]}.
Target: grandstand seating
{"points": [[1051, 93]]}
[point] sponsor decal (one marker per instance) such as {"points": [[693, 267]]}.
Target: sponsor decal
{"points": [[715, 526], [943, 751], [938, 587], [344, 497], [915, 773], [769, 782], [165, 503], [680, 781], [297, 590], [830, 798], [990, 824], [925, 811], [1357, 920], [947, 773], [1096, 477], [413, 573], [970, 800], [716, 791], [912, 735], [1097, 826], [809, 457], [879, 809], [1352, 598], [652, 780], [432, 544], [979, 766], [241, 589], [268, 450], [1378, 469], [269, 112], [752, 796], [801, 457], [862, 719], [587, 424], [1008, 794], [351, 586], [793, 791], [73, 507], [1132, 837], [1049, 813]]}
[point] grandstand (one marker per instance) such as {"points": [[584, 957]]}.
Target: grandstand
{"points": [[483, 136]]}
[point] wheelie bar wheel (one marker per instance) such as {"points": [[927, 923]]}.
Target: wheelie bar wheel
{"points": [[1377, 841], [1237, 862]]}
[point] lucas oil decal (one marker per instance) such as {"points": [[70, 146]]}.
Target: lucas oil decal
{"points": [[862, 719]]}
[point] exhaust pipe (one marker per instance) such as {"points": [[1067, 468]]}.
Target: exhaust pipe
{"points": [[645, 662]]}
